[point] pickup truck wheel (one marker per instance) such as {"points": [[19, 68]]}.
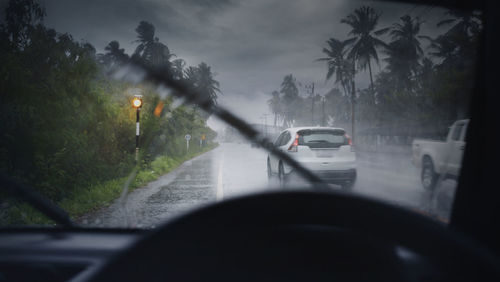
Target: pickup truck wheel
{"points": [[429, 176]]}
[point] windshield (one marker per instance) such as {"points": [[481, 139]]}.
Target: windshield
{"points": [[371, 98]]}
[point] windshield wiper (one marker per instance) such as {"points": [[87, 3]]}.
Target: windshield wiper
{"points": [[161, 76], [36, 200]]}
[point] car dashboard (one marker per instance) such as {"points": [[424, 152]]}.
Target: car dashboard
{"points": [[70, 255], [58, 255]]}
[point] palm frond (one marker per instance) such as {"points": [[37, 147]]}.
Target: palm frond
{"points": [[382, 31], [445, 22]]}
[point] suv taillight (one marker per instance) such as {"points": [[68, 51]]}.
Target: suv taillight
{"points": [[295, 144], [349, 140]]}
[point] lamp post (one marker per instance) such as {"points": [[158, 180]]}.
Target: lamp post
{"points": [[323, 119], [137, 104]]}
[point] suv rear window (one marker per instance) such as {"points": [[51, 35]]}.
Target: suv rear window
{"points": [[322, 138]]}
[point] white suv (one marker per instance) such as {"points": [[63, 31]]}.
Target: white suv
{"points": [[326, 151]]}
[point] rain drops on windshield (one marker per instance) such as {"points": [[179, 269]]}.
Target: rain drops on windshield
{"points": [[129, 119]]}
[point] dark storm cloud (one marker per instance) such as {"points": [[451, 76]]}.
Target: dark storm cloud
{"points": [[252, 45], [99, 21]]}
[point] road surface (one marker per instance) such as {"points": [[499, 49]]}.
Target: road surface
{"points": [[237, 169]]}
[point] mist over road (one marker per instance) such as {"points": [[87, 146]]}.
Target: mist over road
{"points": [[235, 169]]}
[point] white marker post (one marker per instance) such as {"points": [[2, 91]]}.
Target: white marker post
{"points": [[137, 104], [188, 137]]}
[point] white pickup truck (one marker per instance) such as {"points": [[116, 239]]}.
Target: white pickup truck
{"points": [[438, 159]]}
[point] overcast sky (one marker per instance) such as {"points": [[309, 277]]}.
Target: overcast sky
{"points": [[251, 45]]}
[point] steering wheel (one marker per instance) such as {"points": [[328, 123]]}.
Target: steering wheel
{"points": [[307, 236]]}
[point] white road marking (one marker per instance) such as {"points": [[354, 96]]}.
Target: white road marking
{"points": [[220, 190]]}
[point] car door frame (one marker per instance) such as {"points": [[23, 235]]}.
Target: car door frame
{"points": [[456, 148]]}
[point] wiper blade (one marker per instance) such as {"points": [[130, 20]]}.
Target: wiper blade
{"points": [[161, 76], [36, 200]]}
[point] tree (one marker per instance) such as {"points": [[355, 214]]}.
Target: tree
{"points": [[465, 22], [275, 106], [114, 56], [289, 88], [446, 49], [21, 16], [206, 83], [191, 75], [337, 62], [404, 51], [67, 125], [363, 22], [337, 107], [150, 49], [178, 68], [201, 79], [290, 97], [425, 83]]}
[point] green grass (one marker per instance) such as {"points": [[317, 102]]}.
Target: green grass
{"points": [[97, 196]]}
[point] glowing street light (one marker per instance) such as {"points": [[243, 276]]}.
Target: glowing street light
{"points": [[137, 101], [137, 104]]}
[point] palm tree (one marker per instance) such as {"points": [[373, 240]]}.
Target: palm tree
{"points": [[191, 75], [201, 79], [363, 22], [290, 95], [448, 49], [404, 50], [206, 83], [337, 62], [145, 38], [114, 54], [458, 46], [275, 105], [289, 87], [406, 36], [178, 68], [465, 22], [150, 49]]}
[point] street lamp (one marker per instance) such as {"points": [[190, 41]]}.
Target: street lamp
{"points": [[137, 104], [323, 119]]}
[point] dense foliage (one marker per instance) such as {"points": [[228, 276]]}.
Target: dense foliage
{"points": [[419, 92], [66, 124]]}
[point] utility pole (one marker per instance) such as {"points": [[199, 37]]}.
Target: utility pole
{"points": [[312, 105], [323, 111], [311, 86]]}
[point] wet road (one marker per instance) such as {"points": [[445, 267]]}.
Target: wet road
{"points": [[236, 169]]}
